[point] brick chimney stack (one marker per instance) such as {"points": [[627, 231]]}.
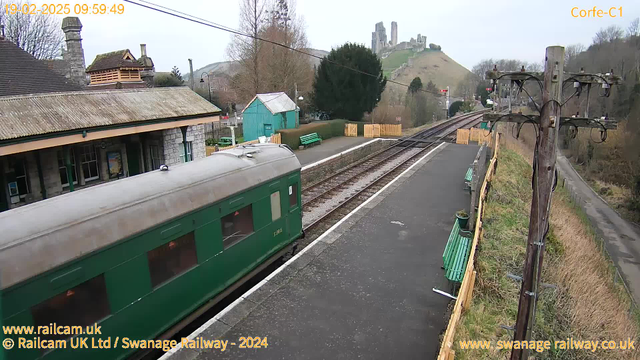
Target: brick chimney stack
{"points": [[74, 56], [149, 70]]}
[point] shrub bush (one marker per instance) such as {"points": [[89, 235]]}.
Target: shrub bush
{"points": [[291, 137], [326, 129]]}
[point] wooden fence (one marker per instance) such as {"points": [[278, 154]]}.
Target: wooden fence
{"points": [[466, 288], [372, 130], [462, 136], [390, 130], [350, 130], [479, 135], [275, 139], [377, 130]]}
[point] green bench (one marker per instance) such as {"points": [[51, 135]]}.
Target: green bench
{"points": [[468, 177], [456, 253], [225, 141], [310, 139]]}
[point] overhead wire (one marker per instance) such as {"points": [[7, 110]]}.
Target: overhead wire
{"points": [[184, 16]]}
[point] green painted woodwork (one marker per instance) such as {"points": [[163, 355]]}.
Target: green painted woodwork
{"points": [[456, 254], [141, 312], [310, 139], [469, 175]]}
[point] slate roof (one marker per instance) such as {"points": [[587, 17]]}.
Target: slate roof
{"points": [[275, 102], [113, 60], [21, 73], [30, 115]]}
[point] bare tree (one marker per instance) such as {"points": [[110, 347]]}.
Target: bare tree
{"points": [[610, 34], [246, 50], [266, 66], [38, 34], [286, 68], [467, 86], [570, 54], [634, 28], [481, 68]]}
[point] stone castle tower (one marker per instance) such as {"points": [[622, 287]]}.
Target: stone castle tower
{"points": [[394, 33], [74, 55]]}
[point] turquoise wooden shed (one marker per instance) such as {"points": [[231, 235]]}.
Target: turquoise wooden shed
{"points": [[267, 113]]}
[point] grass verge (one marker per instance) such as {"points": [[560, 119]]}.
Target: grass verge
{"points": [[588, 303]]}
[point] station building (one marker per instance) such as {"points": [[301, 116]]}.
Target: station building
{"points": [[59, 135]]}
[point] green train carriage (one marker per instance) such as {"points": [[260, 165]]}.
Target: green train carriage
{"points": [[138, 255]]}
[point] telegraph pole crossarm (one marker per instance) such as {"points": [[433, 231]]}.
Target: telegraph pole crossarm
{"points": [[580, 122]]}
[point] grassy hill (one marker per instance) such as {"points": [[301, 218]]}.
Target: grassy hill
{"points": [[428, 65]]}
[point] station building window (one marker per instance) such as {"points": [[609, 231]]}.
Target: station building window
{"points": [[89, 161], [276, 212], [82, 305], [18, 179], [236, 226], [293, 195], [62, 168], [172, 259]]}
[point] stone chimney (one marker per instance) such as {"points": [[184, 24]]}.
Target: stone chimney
{"points": [[74, 56], [149, 70]]}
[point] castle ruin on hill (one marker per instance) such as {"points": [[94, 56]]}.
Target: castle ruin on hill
{"points": [[380, 45]]}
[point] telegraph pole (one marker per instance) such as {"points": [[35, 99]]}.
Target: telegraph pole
{"points": [[543, 183], [548, 124]]}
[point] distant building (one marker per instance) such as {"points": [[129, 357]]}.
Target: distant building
{"points": [[118, 69], [114, 70], [267, 113], [21, 73]]}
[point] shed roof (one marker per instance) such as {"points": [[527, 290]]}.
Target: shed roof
{"points": [[276, 102], [114, 60], [21, 73], [29, 115]]}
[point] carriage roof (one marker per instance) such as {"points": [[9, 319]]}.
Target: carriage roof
{"points": [[41, 236]]}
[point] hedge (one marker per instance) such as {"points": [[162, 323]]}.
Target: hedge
{"points": [[326, 129]]}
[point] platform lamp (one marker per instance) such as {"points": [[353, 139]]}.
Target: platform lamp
{"points": [[208, 83]]}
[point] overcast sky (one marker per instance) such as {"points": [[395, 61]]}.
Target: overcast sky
{"points": [[467, 30]]}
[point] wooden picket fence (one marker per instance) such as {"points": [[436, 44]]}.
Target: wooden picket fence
{"points": [[275, 139], [465, 294], [462, 136], [350, 130], [372, 130], [390, 130], [479, 135]]}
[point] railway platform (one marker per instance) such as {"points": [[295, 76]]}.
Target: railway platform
{"points": [[363, 289]]}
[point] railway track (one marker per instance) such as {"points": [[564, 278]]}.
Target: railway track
{"points": [[327, 201]]}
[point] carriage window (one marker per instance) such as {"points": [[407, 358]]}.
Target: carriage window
{"points": [[293, 195], [236, 226], [275, 206], [172, 259], [82, 306]]}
